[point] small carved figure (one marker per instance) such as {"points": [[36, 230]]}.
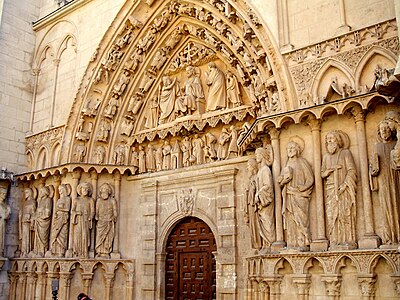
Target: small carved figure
{"points": [[186, 147], [146, 83], [99, 154], [82, 214], [153, 115], [159, 158], [123, 81], [194, 94], [198, 149], [297, 180], [223, 144], [232, 90], [168, 94], [60, 226], [340, 174], [127, 127], [166, 151], [386, 180], [142, 160], [135, 158], [159, 60], [217, 92], [211, 140], [106, 216], [26, 221], [91, 107], [135, 103], [186, 202], [264, 198], [150, 158], [43, 221], [104, 130], [251, 205], [5, 212], [233, 143], [120, 153], [112, 107], [80, 152], [135, 60], [147, 41]]}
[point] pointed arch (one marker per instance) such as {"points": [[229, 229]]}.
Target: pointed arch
{"points": [[203, 23]]}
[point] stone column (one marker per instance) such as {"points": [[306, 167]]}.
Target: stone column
{"points": [[13, 279], [50, 277], [321, 243], [274, 283], [41, 285], [31, 285], [344, 27], [21, 290], [332, 285], [303, 284], [87, 282], [109, 278], [276, 171], [396, 282], [65, 284], [129, 285], [36, 73], [76, 175], [283, 20], [117, 187], [56, 63], [93, 177], [161, 258], [264, 290], [370, 239], [367, 286]]}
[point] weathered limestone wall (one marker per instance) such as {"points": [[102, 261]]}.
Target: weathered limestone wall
{"points": [[17, 42]]}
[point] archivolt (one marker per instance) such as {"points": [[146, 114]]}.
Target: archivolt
{"points": [[229, 28]]}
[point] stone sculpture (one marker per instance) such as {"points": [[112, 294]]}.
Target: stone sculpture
{"points": [[339, 172], [142, 160], [150, 158], [198, 149], [99, 154], [5, 212], [251, 207], [223, 144], [211, 140], [297, 180], [26, 221], [217, 92], [168, 94], [194, 94], [386, 180], [166, 151], [232, 90], [264, 198], [43, 220], [186, 148], [233, 148], [106, 216], [82, 214], [60, 226]]}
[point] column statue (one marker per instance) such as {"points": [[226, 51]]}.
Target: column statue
{"points": [[339, 172], [297, 180], [26, 221], [5, 212], [82, 215], [217, 92], [43, 220], [106, 216]]}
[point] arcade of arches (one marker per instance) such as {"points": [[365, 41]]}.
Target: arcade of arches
{"points": [[199, 160]]}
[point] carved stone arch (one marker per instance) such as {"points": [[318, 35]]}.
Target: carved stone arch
{"points": [[30, 159], [264, 53], [42, 160], [340, 263], [327, 110], [309, 263], [349, 106], [55, 154], [364, 73], [280, 265], [321, 85], [174, 219], [374, 260], [64, 45], [43, 54]]}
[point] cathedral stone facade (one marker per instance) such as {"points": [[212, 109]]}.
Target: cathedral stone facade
{"points": [[200, 149]]}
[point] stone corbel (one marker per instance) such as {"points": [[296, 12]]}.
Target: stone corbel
{"points": [[332, 285]]}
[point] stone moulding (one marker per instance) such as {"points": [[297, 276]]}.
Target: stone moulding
{"points": [[341, 43], [67, 168], [316, 112]]}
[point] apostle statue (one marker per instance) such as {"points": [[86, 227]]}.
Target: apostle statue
{"points": [[386, 181], [217, 92], [60, 227], [5, 212], [297, 180], [340, 175], [169, 90], [82, 215], [26, 221], [251, 207], [106, 216], [194, 94], [264, 197], [43, 220]]}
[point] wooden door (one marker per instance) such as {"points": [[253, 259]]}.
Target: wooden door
{"points": [[190, 266]]}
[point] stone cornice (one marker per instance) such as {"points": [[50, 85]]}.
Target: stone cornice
{"points": [[58, 14]]}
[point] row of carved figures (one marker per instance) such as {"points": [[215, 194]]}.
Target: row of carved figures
{"points": [[339, 175], [69, 227]]}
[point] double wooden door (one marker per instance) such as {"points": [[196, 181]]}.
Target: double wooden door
{"points": [[190, 266]]}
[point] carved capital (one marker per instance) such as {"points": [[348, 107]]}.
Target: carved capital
{"points": [[273, 133], [303, 284], [109, 278], [65, 279], [56, 62], [264, 287], [76, 174], [35, 71], [367, 285], [358, 114], [332, 285], [315, 124], [396, 281]]}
